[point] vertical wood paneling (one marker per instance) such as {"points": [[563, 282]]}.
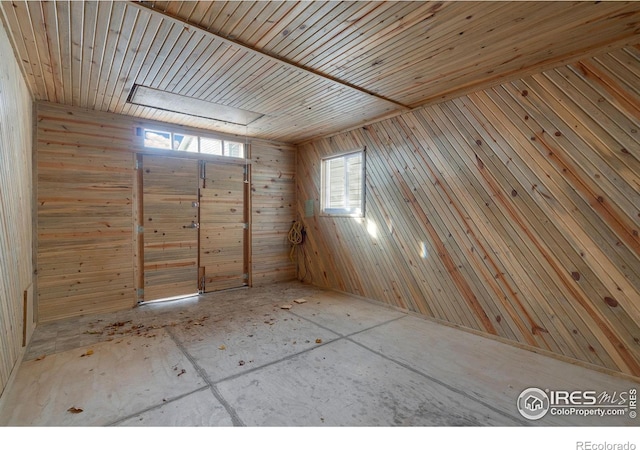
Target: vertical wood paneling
{"points": [[272, 211], [16, 270], [222, 227], [170, 189], [513, 211]]}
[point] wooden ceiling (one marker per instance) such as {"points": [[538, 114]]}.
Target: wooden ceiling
{"points": [[311, 67]]}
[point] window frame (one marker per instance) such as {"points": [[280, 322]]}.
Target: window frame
{"points": [[325, 188]]}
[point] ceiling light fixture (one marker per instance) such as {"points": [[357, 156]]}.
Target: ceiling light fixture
{"points": [[168, 101]]}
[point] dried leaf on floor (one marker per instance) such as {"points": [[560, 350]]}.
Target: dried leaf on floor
{"points": [[41, 357], [74, 410], [222, 347], [318, 341], [182, 372], [87, 353], [300, 301]]}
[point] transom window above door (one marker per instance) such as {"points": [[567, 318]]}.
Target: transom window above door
{"points": [[168, 140]]}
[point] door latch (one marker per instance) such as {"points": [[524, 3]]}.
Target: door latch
{"points": [[193, 225]]}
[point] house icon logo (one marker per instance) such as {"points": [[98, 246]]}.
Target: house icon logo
{"points": [[533, 403]]}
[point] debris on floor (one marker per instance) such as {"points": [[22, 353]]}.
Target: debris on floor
{"points": [[300, 301], [318, 341], [87, 353], [128, 328], [222, 347], [74, 410], [286, 307]]}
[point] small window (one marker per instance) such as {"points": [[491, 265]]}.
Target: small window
{"points": [[185, 143], [211, 146], [234, 149], [157, 139], [343, 184]]}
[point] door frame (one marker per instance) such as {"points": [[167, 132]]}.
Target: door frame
{"points": [[138, 211]]}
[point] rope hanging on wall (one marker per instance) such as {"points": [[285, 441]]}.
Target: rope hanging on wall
{"points": [[295, 237]]}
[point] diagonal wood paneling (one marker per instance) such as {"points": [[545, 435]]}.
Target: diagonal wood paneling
{"points": [[312, 68], [514, 211]]}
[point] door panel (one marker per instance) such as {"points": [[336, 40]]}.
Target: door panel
{"points": [[170, 217], [222, 230]]}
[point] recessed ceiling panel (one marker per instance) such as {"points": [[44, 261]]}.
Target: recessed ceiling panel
{"points": [[168, 101]]}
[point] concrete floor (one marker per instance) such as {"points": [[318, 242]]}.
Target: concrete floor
{"points": [[237, 358]]}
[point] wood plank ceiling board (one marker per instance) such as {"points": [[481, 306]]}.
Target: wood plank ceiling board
{"points": [[311, 68], [415, 52]]}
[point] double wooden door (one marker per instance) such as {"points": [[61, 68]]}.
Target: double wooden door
{"points": [[194, 227]]}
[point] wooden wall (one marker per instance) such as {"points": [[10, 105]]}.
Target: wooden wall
{"points": [[514, 211], [86, 217], [272, 211], [16, 270], [85, 208]]}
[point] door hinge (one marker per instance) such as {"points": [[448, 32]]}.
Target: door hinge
{"points": [[245, 276], [140, 292], [203, 169], [245, 225], [195, 204], [138, 164], [140, 229]]}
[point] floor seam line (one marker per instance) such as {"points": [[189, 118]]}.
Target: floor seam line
{"points": [[348, 334], [302, 352], [441, 383], [235, 419], [154, 407]]}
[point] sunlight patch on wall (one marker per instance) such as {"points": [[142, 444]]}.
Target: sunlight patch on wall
{"points": [[424, 252]]}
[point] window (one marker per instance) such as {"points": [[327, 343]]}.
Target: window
{"points": [[234, 149], [343, 184], [211, 146], [157, 139], [185, 143], [166, 140]]}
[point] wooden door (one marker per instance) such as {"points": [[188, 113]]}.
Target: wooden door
{"points": [[222, 227], [170, 221]]}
